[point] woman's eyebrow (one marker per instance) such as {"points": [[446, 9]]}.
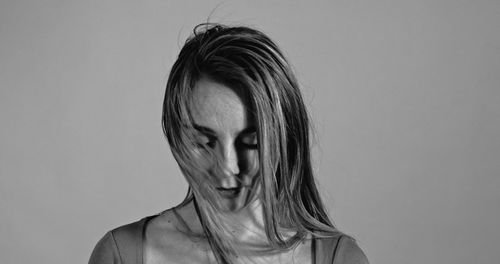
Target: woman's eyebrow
{"points": [[209, 131], [203, 129]]}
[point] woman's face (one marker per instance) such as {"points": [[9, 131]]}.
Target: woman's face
{"points": [[225, 126]]}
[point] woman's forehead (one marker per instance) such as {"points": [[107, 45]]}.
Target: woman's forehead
{"points": [[207, 87], [219, 107]]}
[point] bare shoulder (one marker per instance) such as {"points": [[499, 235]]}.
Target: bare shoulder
{"points": [[162, 230], [172, 224], [166, 241], [118, 244], [348, 252], [163, 221], [105, 251]]}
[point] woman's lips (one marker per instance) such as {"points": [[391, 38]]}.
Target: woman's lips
{"points": [[229, 192]]}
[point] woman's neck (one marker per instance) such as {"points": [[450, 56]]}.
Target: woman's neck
{"points": [[245, 225]]}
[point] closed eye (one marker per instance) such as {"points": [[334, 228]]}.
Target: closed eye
{"points": [[210, 144], [205, 141], [249, 140]]}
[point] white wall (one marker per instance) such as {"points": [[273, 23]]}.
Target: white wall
{"points": [[404, 94]]}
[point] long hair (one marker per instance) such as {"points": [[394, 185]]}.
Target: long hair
{"points": [[247, 58]]}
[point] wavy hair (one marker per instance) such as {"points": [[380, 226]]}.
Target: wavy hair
{"points": [[247, 58]]}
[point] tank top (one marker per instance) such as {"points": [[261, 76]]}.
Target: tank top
{"points": [[124, 245]]}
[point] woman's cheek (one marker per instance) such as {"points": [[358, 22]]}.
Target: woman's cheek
{"points": [[202, 158], [252, 162]]}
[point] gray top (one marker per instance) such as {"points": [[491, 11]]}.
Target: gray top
{"points": [[124, 245]]}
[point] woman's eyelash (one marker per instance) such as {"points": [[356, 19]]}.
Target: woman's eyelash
{"points": [[209, 144], [251, 146], [242, 142], [248, 145], [205, 143]]}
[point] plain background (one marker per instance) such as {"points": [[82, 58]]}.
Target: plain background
{"points": [[404, 95]]}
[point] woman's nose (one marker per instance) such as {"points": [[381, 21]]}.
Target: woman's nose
{"points": [[229, 162]]}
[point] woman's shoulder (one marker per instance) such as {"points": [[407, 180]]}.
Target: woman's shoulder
{"points": [[339, 249], [120, 244], [169, 238], [347, 251]]}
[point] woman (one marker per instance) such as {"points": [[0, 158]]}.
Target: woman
{"points": [[238, 128]]}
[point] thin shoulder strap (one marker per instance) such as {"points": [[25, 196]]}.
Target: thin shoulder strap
{"points": [[129, 240], [325, 249], [181, 220]]}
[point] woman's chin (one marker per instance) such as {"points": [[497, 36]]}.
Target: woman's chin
{"points": [[232, 201]]}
